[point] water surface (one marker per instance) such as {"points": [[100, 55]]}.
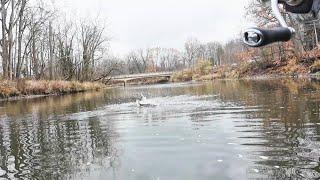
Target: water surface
{"points": [[251, 129]]}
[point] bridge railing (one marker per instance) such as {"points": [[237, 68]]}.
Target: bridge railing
{"points": [[146, 75]]}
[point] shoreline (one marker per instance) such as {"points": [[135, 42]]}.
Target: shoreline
{"points": [[204, 71], [30, 89], [254, 77], [281, 76], [24, 97], [27, 97]]}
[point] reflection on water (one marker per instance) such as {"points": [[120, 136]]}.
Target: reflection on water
{"points": [[267, 129]]}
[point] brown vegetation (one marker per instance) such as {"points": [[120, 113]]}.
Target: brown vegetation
{"points": [[289, 66], [202, 72], [315, 67], [28, 87]]}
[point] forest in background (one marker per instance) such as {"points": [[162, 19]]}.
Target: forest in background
{"points": [[35, 45]]}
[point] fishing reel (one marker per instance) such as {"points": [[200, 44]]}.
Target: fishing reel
{"points": [[258, 37]]}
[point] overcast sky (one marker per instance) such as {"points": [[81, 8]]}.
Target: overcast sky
{"points": [[135, 24]]}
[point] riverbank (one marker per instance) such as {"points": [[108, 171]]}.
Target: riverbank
{"points": [[23, 89], [253, 69]]}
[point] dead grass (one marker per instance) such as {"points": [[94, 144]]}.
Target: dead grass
{"points": [[315, 67], [201, 72], [203, 68], [29, 87], [8, 89], [205, 78], [182, 76], [205, 72]]}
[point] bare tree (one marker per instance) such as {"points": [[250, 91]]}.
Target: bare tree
{"points": [[92, 39], [7, 23], [191, 51], [137, 61], [22, 25], [107, 68]]}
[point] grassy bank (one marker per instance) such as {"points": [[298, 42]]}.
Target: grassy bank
{"points": [[291, 67], [22, 88]]}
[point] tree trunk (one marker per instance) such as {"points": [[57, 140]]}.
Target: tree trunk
{"points": [[51, 49], [20, 35], [4, 42]]}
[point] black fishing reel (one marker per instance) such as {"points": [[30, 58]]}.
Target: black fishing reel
{"points": [[257, 37]]}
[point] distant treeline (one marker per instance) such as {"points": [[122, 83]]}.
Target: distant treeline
{"points": [[303, 45], [36, 42]]}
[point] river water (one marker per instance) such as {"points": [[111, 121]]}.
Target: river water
{"points": [[250, 129]]}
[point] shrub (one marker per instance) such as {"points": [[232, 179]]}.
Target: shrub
{"points": [[182, 76], [60, 87], [204, 67], [247, 67], [206, 78], [8, 89]]}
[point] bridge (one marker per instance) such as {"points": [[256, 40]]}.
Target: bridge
{"points": [[124, 79]]}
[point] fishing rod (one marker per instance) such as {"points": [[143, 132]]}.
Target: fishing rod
{"points": [[258, 37]]}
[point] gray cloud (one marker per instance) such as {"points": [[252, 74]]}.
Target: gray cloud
{"points": [[167, 23]]}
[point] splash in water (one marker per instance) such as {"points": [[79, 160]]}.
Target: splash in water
{"points": [[144, 102]]}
